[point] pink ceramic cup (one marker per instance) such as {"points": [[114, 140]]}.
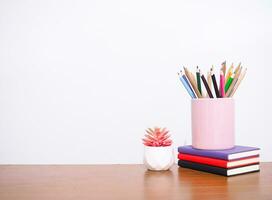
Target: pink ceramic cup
{"points": [[213, 123]]}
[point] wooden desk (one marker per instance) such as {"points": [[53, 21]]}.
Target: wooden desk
{"points": [[94, 182]]}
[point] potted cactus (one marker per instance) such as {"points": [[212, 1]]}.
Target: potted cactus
{"points": [[158, 151]]}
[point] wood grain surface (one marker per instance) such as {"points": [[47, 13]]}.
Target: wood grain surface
{"points": [[46, 182]]}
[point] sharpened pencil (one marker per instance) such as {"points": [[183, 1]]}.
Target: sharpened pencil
{"points": [[237, 68], [186, 84], [215, 86], [206, 86], [222, 84], [235, 79], [195, 82], [209, 80], [198, 79], [241, 77], [192, 82], [229, 81], [185, 78], [224, 67], [229, 73]]}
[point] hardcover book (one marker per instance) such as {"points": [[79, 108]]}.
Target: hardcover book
{"points": [[229, 154], [219, 162], [219, 170]]}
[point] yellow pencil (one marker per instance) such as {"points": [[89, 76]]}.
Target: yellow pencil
{"points": [[235, 79], [229, 73]]}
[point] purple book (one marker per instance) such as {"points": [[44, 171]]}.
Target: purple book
{"points": [[237, 152]]}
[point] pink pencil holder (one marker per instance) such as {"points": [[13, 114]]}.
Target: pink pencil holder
{"points": [[213, 123]]}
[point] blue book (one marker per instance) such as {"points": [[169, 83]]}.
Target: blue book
{"points": [[237, 152]]}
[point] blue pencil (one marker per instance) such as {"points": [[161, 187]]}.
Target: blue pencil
{"points": [[188, 83], [187, 86]]}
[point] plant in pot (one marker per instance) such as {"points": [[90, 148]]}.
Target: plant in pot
{"points": [[158, 151]]}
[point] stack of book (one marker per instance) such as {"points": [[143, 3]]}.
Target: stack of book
{"points": [[230, 162]]}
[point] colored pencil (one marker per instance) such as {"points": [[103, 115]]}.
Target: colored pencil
{"points": [[229, 81], [185, 78], [237, 68], [227, 85], [215, 86], [195, 82], [186, 84], [223, 68], [206, 86], [198, 79], [229, 73], [238, 82], [235, 79], [209, 80], [192, 82], [222, 84]]}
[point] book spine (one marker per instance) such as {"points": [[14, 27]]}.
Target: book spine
{"points": [[200, 167]]}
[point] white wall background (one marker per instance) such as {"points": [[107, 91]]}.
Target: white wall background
{"points": [[81, 80]]}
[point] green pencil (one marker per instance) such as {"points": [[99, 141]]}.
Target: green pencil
{"points": [[229, 81], [198, 79]]}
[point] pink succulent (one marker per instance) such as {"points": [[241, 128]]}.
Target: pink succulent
{"points": [[157, 137]]}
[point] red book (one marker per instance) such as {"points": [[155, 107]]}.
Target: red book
{"points": [[219, 163]]}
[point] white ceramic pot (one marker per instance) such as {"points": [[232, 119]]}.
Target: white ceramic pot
{"points": [[158, 158]]}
